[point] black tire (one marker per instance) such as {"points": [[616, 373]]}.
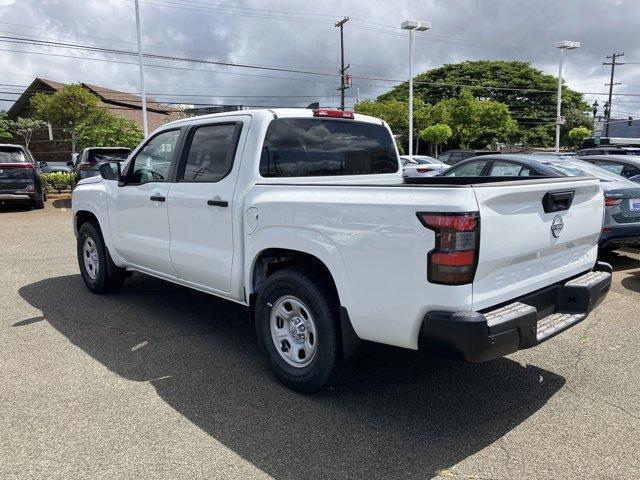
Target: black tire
{"points": [[108, 277], [39, 203], [318, 295]]}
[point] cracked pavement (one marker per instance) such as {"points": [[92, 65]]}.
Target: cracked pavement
{"points": [[162, 382]]}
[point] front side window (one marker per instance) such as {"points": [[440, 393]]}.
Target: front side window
{"points": [[309, 147], [210, 154], [472, 169], [152, 163]]}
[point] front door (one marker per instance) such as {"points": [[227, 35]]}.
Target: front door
{"points": [[201, 203], [138, 212]]}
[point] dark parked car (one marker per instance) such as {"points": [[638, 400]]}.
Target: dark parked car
{"points": [[621, 223], [91, 157], [608, 150], [20, 177], [627, 166], [451, 157]]}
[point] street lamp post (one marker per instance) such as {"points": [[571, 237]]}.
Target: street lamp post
{"points": [[412, 25], [145, 125], [562, 46]]}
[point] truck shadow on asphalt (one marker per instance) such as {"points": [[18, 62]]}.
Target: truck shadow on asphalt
{"points": [[400, 413]]}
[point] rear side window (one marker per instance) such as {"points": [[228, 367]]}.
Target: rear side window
{"points": [[12, 155], [472, 169], [310, 147], [211, 153], [612, 167], [507, 169]]}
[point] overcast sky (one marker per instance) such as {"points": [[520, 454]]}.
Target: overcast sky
{"points": [[300, 35]]}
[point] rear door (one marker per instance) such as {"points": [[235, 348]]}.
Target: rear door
{"points": [[201, 202], [530, 236]]}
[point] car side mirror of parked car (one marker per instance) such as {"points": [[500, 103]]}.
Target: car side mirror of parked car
{"points": [[69, 163], [42, 164], [110, 170], [635, 178]]}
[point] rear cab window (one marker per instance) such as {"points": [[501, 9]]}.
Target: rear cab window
{"points": [[314, 147], [13, 155]]}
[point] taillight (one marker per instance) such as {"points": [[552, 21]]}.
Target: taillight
{"points": [[26, 166], [454, 259], [330, 112], [611, 201]]}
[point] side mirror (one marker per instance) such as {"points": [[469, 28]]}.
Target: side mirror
{"points": [[110, 170], [42, 164], [635, 178], [69, 163]]}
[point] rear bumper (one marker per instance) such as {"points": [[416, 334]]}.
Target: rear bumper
{"points": [[523, 323], [19, 197], [620, 235]]}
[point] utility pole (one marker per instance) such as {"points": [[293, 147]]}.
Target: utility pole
{"points": [[613, 64], [343, 87], [145, 126]]}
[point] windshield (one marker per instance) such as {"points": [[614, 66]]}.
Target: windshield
{"points": [[12, 155], [100, 156], [578, 169]]}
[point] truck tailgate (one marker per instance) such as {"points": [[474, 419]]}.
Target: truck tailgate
{"points": [[523, 247]]}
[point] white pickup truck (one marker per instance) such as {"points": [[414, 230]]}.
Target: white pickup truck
{"points": [[303, 216]]}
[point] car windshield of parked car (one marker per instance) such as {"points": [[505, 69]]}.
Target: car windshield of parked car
{"points": [[307, 147], [101, 156], [578, 169], [12, 155]]}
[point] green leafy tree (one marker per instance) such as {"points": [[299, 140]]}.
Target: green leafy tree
{"points": [[67, 107], [108, 131], [436, 135], [5, 127], [394, 112], [578, 134], [476, 123], [26, 127], [529, 93], [541, 136]]}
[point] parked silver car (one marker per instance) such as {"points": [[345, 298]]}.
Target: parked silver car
{"points": [[421, 165]]}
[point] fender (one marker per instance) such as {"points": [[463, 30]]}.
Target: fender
{"points": [[304, 240], [91, 195]]}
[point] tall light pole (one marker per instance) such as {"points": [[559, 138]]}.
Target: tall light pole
{"points": [[561, 46], [145, 126], [412, 25]]}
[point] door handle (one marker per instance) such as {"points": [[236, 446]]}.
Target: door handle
{"points": [[218, 203], [157, 198]]}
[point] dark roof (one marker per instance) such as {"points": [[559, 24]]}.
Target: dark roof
{"points": [[106, 95], [117, 97]]}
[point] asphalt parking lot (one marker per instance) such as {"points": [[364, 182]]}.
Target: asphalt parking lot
{"points": [[162, 382]]}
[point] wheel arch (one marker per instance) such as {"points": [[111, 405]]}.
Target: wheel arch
{"points": [[303, 247]]}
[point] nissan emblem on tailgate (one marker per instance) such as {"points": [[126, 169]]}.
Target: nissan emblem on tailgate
{"points": [[556, 226]]}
